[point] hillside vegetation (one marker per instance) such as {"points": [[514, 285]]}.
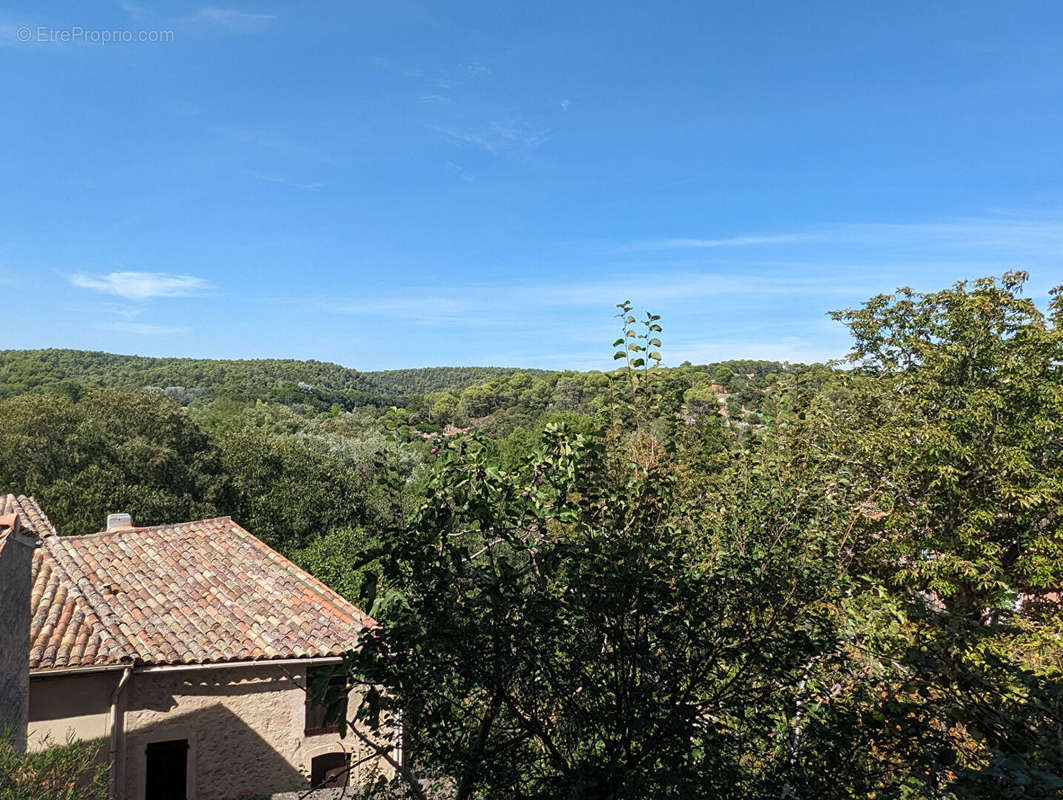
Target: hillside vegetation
{"points": [[495, 399], [286, 381], [438, 379], [737, 580], [187, 379]]}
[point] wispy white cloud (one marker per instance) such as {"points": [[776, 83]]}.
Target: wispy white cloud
{"points": [[277, 142], [122, 310], [133, 10], [730, 241], [737, 294], [233, 18], [761, 295], [468, 302], [463, 75], [313, 187], [437, 99], [811, 272], [1021, 235], [565, 104], [142, 285], [457, 169], [139, 328], [496, 137], [795, 349], [419, 306]]}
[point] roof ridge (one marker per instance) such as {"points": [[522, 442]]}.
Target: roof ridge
{"points": [[149, 528], [36, 514], [31, 512]]}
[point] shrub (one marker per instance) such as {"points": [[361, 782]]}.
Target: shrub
{"points": [[72, 771]]}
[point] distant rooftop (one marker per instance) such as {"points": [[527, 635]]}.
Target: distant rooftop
{"points": [[189, 593]]}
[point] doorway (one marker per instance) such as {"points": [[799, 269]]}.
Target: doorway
{"points": [[166, 771], [328, 771]]}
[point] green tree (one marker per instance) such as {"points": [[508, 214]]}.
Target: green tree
{"points": [[112, 450], [701, 400], [442, 407], [952, 442], [559, 630], [961, 428], [345, 560], [291, 488], [572, 621]]}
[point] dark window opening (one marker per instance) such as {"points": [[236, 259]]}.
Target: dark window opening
{"points": [[326, 700], [166, 771], [329, 771]]}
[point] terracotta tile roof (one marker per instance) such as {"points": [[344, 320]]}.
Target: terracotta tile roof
{"points": [[33, 519], [62, 622], [190, 593], [65, 630], [14, 518]]}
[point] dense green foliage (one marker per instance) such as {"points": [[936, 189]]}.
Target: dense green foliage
{"points": [[964, 425], [408, 382], [746, 579], [71, 771], [293, 478], [496, 399], [824, 607], [559, 631], [113, 450]]}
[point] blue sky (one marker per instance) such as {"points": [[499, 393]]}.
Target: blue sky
{"points": [[404, 184]]}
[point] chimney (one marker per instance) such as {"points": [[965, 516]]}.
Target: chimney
{"points": [[116, 522], [10, 523]]}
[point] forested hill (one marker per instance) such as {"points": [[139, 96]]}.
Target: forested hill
{"points": [[290, 448], [321, 384], [440, 379], [287, 381]]}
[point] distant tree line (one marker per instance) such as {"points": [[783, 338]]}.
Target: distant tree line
{"points": [[289, 382], [286, 381], [267, 442], [408, 382]]}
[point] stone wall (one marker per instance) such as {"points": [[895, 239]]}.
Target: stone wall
{"points": [[16, 559], [244, 728]]}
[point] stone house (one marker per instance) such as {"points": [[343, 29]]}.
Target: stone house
{"points": [[183, 650]]}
